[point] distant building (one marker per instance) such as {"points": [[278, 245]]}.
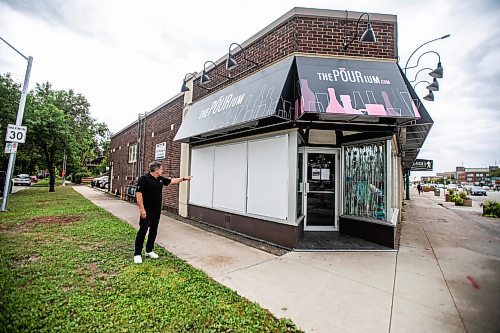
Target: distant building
{"points": [[474, 175]]}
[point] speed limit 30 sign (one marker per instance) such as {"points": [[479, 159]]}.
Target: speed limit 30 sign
{"points": [[15, 133]]}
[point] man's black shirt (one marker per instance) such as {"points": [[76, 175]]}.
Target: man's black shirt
{"points": [[151, 189]]}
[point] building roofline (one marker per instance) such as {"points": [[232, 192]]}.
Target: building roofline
{"points": [[148, 113], [296, 11]]}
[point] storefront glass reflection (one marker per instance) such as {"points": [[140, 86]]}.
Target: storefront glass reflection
{"points": [[365, 174]]}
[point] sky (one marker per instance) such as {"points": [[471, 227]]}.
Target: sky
{"points": [[128, 57]]}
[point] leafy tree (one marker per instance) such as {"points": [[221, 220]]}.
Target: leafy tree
{"points": [[10, 93], [49, 129], [58, 121]]}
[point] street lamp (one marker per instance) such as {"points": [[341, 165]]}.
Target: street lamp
{"points": [[19, 122]]}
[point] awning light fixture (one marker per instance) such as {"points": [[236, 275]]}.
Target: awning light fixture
{"points": [[368, 36], [438, 72], [184, 87], [231, 61], [430, 95], [204, 78]]}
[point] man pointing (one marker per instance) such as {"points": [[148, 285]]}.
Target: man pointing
{"points": [[149, 199]]}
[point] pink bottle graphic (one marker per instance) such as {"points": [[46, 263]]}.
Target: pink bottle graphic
{"points": [[346, 102], [334, 106], [308, 99]]}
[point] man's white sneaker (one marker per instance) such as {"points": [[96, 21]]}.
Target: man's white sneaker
{"points": [[138, 259], [152, 255]]}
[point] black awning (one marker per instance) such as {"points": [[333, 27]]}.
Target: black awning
{"points": [[353, 90], [242, 105], [412, 135]]}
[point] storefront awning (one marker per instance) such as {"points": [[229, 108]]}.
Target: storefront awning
{"points": [[412, 135], [353, 91], [264, 95]]}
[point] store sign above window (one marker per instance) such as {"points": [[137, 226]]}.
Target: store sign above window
{"points": [[240, 105], [350, 89], [422, 165]]}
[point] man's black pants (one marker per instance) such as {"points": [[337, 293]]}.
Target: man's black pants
{"points": [[150, 222]]}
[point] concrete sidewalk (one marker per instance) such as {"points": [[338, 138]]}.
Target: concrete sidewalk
{"points": [[425, 287]]}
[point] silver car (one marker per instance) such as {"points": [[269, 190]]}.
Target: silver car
{"points": [[22, 180], [476, 190]]}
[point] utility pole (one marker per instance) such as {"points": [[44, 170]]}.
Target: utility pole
{"points": [[64, 169], [19, 122]]}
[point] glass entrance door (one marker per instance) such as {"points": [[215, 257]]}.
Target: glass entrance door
{"points": [[320, 195]]}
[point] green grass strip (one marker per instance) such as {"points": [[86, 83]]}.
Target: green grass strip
{"points": [[66, 266]]}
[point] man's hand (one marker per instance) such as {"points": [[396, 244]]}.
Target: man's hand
{"points": [[188, 178], [143, 213]]}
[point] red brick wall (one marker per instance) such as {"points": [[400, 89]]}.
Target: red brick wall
{"points": [[123, 172], [312, 35], [159, 123]]}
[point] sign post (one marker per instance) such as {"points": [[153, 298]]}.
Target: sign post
{"points": [[11, 147], [15, 133], [18, 129]]}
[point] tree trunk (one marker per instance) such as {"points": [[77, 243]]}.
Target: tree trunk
{"points": [[52, 180]]}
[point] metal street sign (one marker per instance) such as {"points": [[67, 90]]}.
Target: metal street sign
{"points": [[422, 165], [11, 147], [15, 133], [160, 151]]}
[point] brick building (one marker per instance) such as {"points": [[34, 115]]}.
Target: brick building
{"points": [[302, 136]]}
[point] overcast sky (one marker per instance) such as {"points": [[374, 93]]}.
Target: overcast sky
{"points": [[127, 57]]}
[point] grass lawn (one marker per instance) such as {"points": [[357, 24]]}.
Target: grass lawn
{"points": [[66, 266], [45, 182]]}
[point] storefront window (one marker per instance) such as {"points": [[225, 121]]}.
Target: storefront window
{"points": [[365, 174], [300, 184]]}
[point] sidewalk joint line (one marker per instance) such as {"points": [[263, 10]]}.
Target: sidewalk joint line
{"points": [[253, 265], [394, 287], [444, 278]]}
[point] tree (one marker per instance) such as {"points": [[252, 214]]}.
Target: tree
{"points": [[48, 130], [10, 93], [57, 121]]}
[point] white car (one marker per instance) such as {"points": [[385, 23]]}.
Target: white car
{"points": [[22, 179]]}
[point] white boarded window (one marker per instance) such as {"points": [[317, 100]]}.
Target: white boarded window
{"points": [[268, 172], [132, 153], [230, 167], [202, 168]]}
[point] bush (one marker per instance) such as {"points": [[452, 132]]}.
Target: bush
{"points": [[491, 208], [451, 192], [80, 175], [459, 197]]}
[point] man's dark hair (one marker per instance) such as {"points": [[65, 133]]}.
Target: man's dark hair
{"points": [[153, 166]]}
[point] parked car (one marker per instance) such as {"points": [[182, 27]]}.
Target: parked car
{"points": [[476, 190], [3, 178], [22, 179], [96, 182], [104, 182]]}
